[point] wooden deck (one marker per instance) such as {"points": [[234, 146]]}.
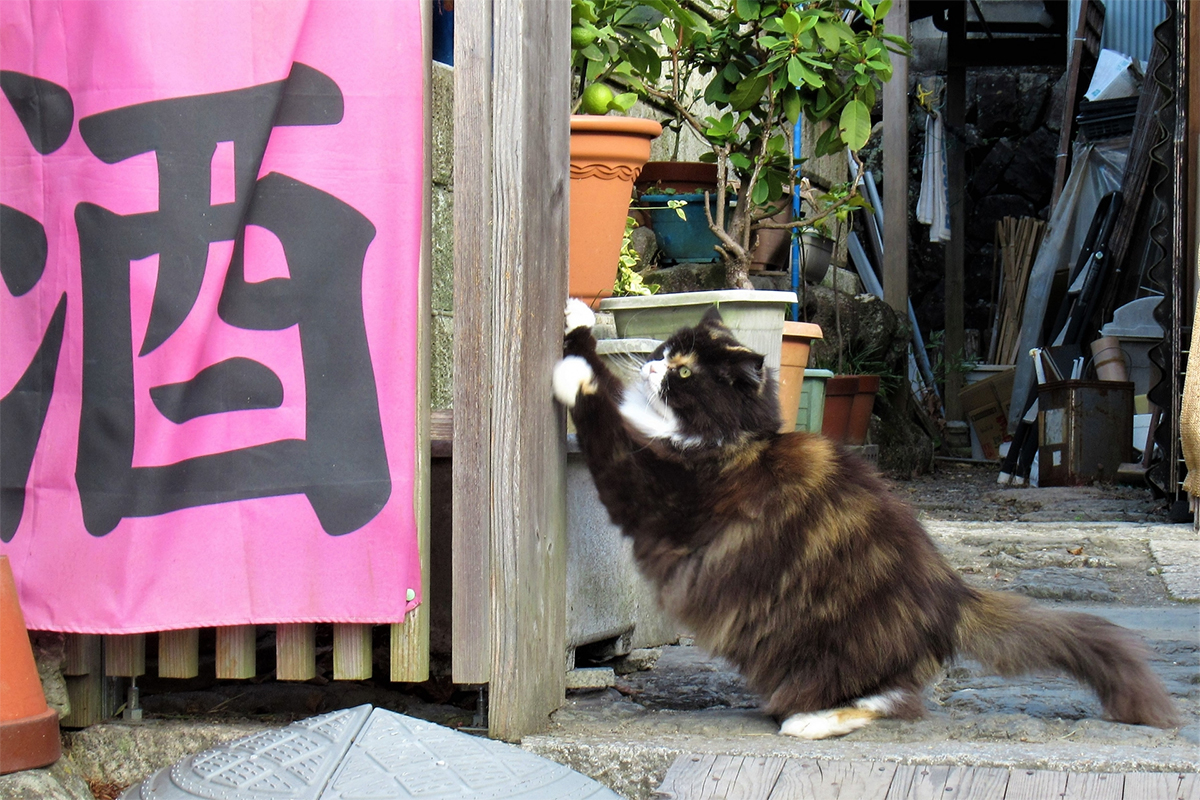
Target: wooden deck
{"points": [[709, 777]]}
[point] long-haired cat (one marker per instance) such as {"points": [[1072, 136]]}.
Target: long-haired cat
{"points": [[786, 555]]}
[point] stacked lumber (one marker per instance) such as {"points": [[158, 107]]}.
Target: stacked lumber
{"points": [[1017, 241]]}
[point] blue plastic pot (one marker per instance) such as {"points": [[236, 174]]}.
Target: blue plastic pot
{"points": [[682, 240]]}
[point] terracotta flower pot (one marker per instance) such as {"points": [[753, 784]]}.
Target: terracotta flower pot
{"points": [[797, 340], [839, 398], [685, 177], [860, 410], [28, 727], [606, 155]]}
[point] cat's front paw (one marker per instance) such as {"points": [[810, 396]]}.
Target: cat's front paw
{"points": [[572, 376], [578, 315]]}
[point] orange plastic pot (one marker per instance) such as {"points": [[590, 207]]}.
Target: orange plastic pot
{"points": [[839, 398], [793, 358], [607, 153]]}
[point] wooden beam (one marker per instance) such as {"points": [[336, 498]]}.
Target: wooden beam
{"points": [[125, 655], [296, 651], [236, 654], [956, 196], [83, 672], [895, 171], [352, 652], [471, 627], [179, 653], [527, 450], [410, 638]]}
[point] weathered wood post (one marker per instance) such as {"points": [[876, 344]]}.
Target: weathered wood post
{"points": [[895, 171], [511, 173]]}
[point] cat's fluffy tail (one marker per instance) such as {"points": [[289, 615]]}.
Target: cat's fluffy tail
{"points": [[1012, 636]]}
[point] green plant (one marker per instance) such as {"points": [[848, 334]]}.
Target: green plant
{"points": [[629, 282], [755, 67], [611, 39]]}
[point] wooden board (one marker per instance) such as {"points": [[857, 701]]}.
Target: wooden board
{"points": [[472, 560], [1094, 786], [125, 655], [1029, 784], [1084, 53], [295, 651], [236, 654], [527, 448], [179, 653], [410, 638], [701, 777], [352, 652], [956, 192], [895, 170]]}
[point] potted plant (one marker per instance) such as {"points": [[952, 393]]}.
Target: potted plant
{"points": [[758, 65], [607, 152]]}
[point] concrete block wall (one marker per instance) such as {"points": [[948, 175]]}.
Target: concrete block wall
{"points": [[442, 322]]}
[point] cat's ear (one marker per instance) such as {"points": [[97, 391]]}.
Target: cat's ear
{"points": [[712, 317]]}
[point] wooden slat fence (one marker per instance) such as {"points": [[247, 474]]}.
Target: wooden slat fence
{"points": [[714, 777]]}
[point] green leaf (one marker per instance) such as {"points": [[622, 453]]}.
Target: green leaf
{"points": [[828, 142], [867, 9], [854, 125], [668, 35], [791, 21], [717, 91], [748, 92], [748, 9], [829, 35], [623, 101], [795, 74], [791, 104], [594, 68], [592, 53], [811, 78], [761, 193], [740, 160], [883, 8], [708, 158]]}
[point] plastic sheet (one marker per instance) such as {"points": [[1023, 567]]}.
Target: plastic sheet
{"points": [[1097, 170]]}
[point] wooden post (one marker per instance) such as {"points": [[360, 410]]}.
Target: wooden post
{"points": [[895, 171], [295, 651], [352, 652], [956, 95], [471, 627], [512, 293], [236, 655], [179, 653], [410, 639], [83, 672], [125, 655]]}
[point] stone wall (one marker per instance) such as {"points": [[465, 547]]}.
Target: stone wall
{"points": [[442, 322]]}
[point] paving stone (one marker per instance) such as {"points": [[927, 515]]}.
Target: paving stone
{"points": [[365, 752], [1063, 583]]}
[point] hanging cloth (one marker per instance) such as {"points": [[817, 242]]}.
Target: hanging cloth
{"points": [[932, 209]]}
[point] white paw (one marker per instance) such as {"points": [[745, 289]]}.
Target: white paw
{"points": [[573, 375], [824, 724], [579, 315]]}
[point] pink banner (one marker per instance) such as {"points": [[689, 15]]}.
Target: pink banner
{"points": [[212, 217]]}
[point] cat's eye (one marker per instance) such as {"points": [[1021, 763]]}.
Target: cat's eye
{"points": [[685, 372]]}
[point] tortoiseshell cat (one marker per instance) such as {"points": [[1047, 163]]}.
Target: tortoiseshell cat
{"points": [[787, 556]]}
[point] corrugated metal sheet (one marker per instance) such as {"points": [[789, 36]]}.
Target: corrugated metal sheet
{"points": [[1128, 25]]}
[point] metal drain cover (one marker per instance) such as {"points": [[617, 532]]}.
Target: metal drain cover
{"points": [[365, 753]]}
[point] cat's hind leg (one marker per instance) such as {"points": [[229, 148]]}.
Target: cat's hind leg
{"points": [[840, 721]]}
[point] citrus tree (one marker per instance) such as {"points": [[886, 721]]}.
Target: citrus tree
{"points": [[741, 73]]}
